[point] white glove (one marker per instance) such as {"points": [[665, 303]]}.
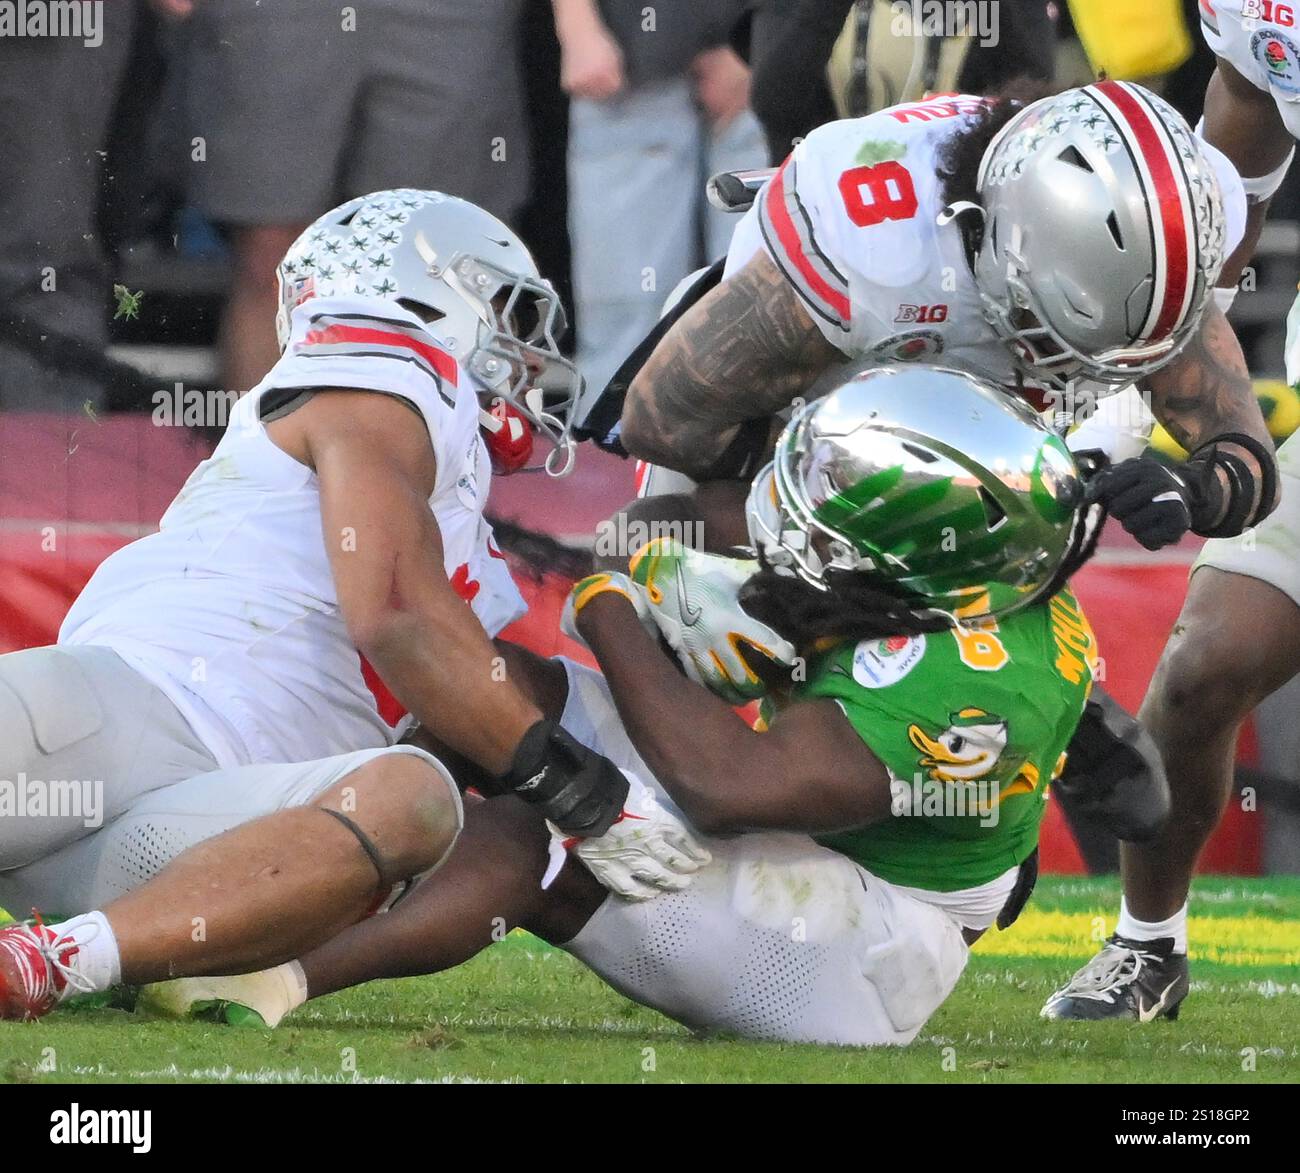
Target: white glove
{"points": [[647, 851], [694, 599], [597, 584]]}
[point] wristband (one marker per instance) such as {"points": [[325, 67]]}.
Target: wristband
{"points": [[606, 582], [1241, 485], [1224, 296], [1264, 187], [580, 791]]}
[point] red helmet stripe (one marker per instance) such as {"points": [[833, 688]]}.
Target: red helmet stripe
{"points": [[1174, 226]]}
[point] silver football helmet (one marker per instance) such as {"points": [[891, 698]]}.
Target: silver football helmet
{"points": [[945, 489], [1104, 234], [470, 278]]}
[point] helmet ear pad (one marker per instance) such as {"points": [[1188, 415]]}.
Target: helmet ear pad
{"points": [[508, 437]]}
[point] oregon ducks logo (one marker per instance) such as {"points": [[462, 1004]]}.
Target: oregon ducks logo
{"points": [[968, 750]]}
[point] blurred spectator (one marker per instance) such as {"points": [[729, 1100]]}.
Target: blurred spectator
{"points": [[815, 60], [57, 94], [544, 220], [659, 102], [296, 105]]}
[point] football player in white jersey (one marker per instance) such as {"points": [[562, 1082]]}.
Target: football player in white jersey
{"points": [[219, 685], [1067, 247], [1238, 637], [1064, 246]]}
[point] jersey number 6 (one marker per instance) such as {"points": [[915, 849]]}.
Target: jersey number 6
{"points": [[892, 194]]}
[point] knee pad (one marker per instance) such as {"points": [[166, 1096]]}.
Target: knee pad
{"points": [[395, 881], [1113, 772]]}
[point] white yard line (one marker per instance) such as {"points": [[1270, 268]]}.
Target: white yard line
{"points": [[262, 1075]]}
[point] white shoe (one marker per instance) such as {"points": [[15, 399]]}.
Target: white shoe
{"points": [[252, 999]]}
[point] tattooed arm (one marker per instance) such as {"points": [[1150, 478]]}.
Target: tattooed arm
{"points": [[1205, 392], [744, 352]]}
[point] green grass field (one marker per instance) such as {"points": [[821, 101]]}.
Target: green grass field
{"points": [[525, 1012]]}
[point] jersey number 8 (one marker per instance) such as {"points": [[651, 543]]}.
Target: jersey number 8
{"points": [[893, 195]]}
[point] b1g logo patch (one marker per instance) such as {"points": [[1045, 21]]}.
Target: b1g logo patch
{"points": [[1280, 57], [1273, 11], [914, 346], [921, 314], [878, 663]]}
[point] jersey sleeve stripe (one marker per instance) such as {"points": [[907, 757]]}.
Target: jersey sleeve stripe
{"points": [[371, 332], [393, 353], [787, 229], [1208, 17]]}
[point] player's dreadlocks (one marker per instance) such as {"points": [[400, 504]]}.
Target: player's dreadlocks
{"points": [[538, 554], [856, 607]]}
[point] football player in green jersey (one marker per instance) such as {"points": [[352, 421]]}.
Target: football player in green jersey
{"points": [[914, 535]]}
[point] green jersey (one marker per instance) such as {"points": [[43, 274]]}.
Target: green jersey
{"points": [[972, 724]]}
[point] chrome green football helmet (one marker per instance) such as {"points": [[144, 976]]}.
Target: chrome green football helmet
{"points": [[948, 491]]}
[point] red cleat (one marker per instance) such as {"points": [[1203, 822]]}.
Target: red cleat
{"points": [[34, 970]]}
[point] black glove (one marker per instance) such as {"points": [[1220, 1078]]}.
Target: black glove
{"points": [[580, 791], [1155, 503], [1214, 493]]}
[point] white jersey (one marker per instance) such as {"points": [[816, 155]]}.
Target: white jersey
{"points": [[1260, 39], [851, 220], [230, 609]]}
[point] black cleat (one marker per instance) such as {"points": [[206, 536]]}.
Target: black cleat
{"points": [[1137, 980]]}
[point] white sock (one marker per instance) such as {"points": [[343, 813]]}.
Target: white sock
{"points": [[1150, 930], [97, 960]]}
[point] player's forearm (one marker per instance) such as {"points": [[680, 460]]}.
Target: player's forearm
{"points": [[744, 352], [1207, 392], [1235, 266], [693, 742], [1243, 122], [663, 422], [441, 665]]}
